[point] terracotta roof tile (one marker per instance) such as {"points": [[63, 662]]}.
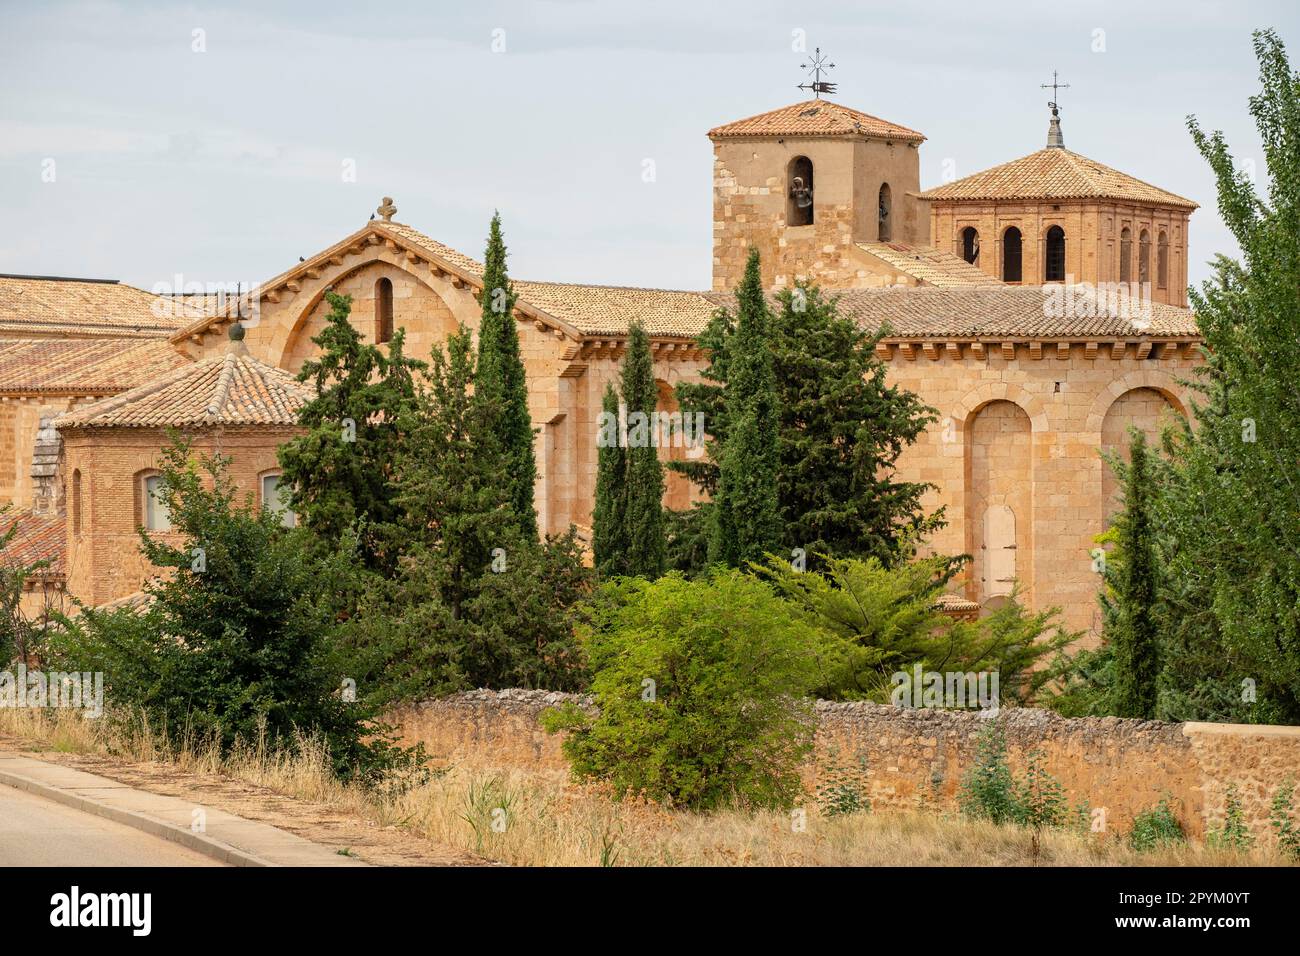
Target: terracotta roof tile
{"points": [[93, 366], [231, 389], [930, 266], [610, 310], [817, 118], [446, 253], [36, 304], [38, 538], [1055, 173], [1015, 311]]}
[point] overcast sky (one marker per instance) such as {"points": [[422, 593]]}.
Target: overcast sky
{"points": [[228, 164]]}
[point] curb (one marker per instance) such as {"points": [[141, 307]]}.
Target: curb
{"points": [[205, 845]]}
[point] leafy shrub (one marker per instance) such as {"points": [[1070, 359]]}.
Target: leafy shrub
{"points": [[701, 687], [842, 788], [989, 788], [886, 619], [1155, 828], [991, 791], [1281, 818], [236, 643], [1234, 834]]}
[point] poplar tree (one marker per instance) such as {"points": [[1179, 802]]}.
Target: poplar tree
{"points": [[1131, 607], [608, 525], [502, 382], [746, 512], [644, 488]]}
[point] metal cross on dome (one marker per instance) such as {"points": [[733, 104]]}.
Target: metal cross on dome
{"points": [[1054, 86], [816, 66]]}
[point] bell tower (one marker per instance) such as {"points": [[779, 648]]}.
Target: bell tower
{"points": [[808, 184]]}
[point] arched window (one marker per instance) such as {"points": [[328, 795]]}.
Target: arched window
{"points": [[153, 513], [76, 501], [1054, 264], [1125, 255], [276, 500], [883, 224], [799, 192], [1162, 260], [970, 245], [383, 310], [1011, 255], [1144, 257]]}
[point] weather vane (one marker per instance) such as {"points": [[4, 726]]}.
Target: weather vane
{"points": [[1054, 86], [816, 67]]}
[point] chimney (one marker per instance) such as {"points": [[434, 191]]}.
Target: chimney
{"points": [[47, 477]]}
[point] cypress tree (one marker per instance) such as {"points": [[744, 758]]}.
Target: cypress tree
{"points": [[339, 470], [502, 382], [746, 512], [643, 511], [608, 527], [1133, 629]]}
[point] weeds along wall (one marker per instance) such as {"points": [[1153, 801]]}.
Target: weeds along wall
{"points": [[916, 758]]}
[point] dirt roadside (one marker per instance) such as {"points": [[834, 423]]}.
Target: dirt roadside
{"points": [[329, 826]]}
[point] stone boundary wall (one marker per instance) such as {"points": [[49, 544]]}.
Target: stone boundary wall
{"points": [[916, 758]]}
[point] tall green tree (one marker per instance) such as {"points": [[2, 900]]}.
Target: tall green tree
{"points": [[1233, 518], [609, 544], [643, 511], [842, 430], [747, 519], [501, 379], [1131, 604], [475, 602], [339, 471]]}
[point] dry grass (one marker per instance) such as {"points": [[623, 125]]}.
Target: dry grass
{"points": [[544, 819]]}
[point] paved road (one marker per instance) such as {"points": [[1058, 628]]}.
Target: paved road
{"points": [[38, 832]]}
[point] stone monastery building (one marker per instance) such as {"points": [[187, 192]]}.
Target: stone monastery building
{"points": [[998, 290]]}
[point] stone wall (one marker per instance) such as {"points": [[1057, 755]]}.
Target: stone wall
{"points": [[918, 757]]}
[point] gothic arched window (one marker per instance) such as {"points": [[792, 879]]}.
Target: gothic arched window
{"points": [[383, 310], [883, 228], [1054, 263], [1162, 260], [970, 245], [1144, 257], [799, 192], [1011, 255], [1125, 255]]}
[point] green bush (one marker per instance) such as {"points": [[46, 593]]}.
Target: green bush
{"points": [[236, 643], [991, 791], [702, 692], [1281, 818], [842, 788], [1234, 834], [1157, 827]]}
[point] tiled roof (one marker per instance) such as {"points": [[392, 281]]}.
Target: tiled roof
{"points": [[35, 305], [94, 366], [1014, 311], [38, 538], [987, 308], [930, 266], [1055, 173], [816, 118], [446, 253], [231, 389], [610, 310], [135, 601]]}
